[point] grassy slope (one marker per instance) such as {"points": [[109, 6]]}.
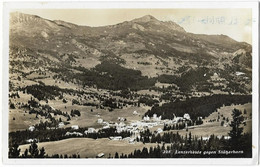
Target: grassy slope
{"points": [[208, 128], [88, 147]]}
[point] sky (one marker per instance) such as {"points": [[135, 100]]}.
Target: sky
{"points": [[236, 23]]}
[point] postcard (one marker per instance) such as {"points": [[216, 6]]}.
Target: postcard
{"points": [[131, 82]]}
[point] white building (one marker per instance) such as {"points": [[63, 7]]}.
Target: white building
{"points": [[159, 130], [31, 140], [127, 138], [226, 125], [131, 140], [205, 138], [121, 119], [154, 116], [227, 137], [91, 130], [135, 113], [115, 137], [186, 116], [100, 155], [121, 124], [61, 124], [73, 134], [106, 127], [100, 121], [31, 128], [157, 118], [75, 127], [146, 118]]}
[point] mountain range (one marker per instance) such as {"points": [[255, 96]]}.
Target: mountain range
{"points": [[145, 44]]}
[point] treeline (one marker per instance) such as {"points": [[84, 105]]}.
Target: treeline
{"points": [[47, 92], [167, 137], [43, 92], [107, 75], [43, 134], [116, 77], [192, 143], [170, 79], [181, 125], [148, 100], [188, 79], [43, 110], [197, 106], [177, 145], [192, 77]]}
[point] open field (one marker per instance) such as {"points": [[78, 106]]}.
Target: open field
{"points": [[86, 147], [87, 119], [22, 120]]}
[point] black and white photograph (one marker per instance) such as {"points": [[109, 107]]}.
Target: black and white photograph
{"points": [[131, 83]]}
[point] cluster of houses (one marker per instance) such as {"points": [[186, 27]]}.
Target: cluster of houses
{"points": [[205, 138], [154, 118], [88, 131], [134, 127], [31, 140], [73, 134]]}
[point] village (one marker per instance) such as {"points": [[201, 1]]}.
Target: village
{"points": [[154, 123]]}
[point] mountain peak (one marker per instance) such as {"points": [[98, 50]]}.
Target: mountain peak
{"points": [[146, 18], [17, 17]]}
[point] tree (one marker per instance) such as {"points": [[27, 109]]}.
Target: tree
{"points": [[116, 155], [222, 123], [189, 140], [25, 155], [12, 106], [245, 112], [145, 152], [227, 120], [14, 152], [33, 150], [64, 101], [236, 131], [42, 152]]}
